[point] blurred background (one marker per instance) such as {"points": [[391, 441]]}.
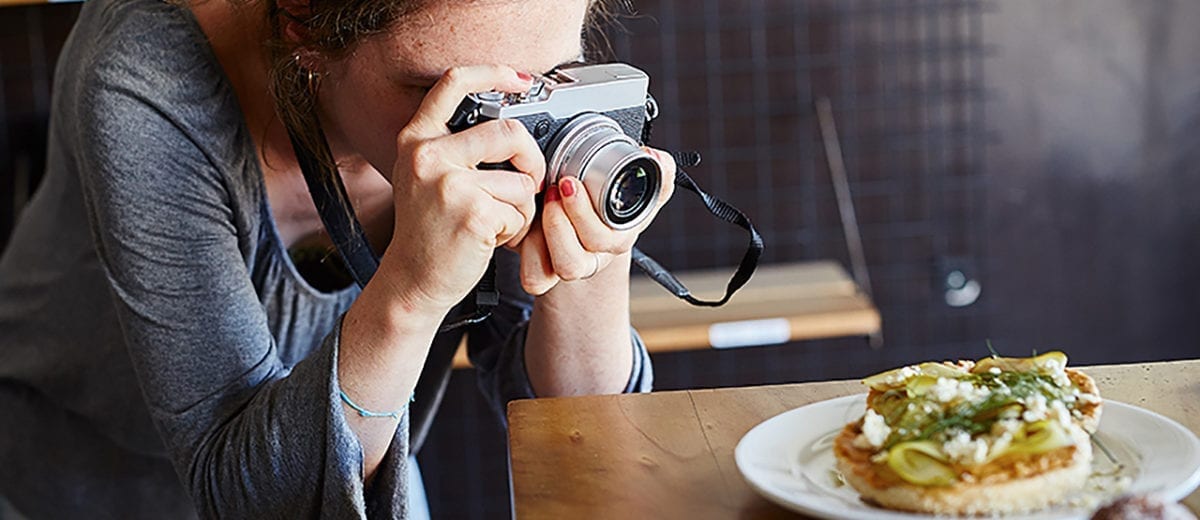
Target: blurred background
{"points": [[1044, 152]]}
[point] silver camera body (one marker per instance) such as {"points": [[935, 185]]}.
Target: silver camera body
{"points": [[588, 120]]}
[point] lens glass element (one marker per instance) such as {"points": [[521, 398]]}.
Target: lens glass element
{"points": [[633, 190], [622, 180]]}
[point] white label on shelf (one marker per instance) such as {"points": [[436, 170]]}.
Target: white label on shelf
{"points": [[749, 333]]}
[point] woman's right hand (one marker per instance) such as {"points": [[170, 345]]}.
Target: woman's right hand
{"points": [[451, 216]]}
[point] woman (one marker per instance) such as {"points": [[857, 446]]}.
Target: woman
{"points": [[160, 354]]}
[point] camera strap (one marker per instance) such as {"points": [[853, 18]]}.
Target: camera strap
{"points": [[719, 209]]}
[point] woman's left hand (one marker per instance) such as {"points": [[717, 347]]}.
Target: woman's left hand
{"points": [[568, 241]]}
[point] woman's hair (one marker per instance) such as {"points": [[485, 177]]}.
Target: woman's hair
{"points": [[329, 29]]}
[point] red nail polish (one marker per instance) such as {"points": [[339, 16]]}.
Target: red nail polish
{"points": [[552, 194], [524, 76], [568, 187]]}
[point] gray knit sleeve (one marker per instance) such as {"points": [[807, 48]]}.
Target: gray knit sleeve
{"points": [[249, 437]]}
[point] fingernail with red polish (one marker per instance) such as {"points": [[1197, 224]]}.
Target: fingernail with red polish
{"points": [[568, 187], [524, 76], [552, 194]]}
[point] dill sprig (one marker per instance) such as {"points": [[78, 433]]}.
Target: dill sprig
{"points": [[910, 414]]}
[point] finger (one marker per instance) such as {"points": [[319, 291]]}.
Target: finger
{"points": [[669, 169], [537, 270], [513, 189], [571, 261], [505, 220], [496, 142], [593, 233], [454, 85]]}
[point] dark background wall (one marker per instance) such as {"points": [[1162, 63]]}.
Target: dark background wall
{"points": [[1094, 192], [1047, 149]]}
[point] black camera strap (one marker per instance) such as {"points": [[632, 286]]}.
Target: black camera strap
{"points": [[719, 209]]}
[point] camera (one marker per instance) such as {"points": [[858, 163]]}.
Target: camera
{"points": [[589, 122]]}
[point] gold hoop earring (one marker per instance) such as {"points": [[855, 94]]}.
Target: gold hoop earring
{"points": [[312, 79]]}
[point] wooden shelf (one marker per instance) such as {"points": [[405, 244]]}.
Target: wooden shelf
{"points": [[782, 302]]}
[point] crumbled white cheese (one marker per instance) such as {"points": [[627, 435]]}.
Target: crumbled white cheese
{"points": [[1054, 364], [994, 370], [1035, 408], [900, 377], [1089, 398], [1059, 412], [948, 390], [945, 389], [961, 448], [1058, 372], [875, 429]]}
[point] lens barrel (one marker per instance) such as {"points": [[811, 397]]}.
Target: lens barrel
{"points": [[623, 180]]}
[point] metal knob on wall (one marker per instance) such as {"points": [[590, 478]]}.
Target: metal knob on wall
{"points": [[957, 287]]}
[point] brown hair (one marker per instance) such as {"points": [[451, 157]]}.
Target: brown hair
{"points": [[331, 28]]}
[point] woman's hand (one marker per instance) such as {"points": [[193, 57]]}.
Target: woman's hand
{"points": [[450, 216], [570, 241], [579, 339]]}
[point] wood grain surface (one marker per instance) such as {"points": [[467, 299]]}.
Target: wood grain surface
{"points": [[670, 454]]}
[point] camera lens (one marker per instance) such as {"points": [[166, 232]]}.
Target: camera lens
{"points": [[622, 180], [633, 189]]}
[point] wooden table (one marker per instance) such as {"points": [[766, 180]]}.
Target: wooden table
{"points": [[670, 454]]}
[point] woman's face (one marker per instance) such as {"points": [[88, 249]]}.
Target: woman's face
{"points": [[367, 97]]}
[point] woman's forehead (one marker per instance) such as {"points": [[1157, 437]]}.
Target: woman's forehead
{"points": [[529, 35]]}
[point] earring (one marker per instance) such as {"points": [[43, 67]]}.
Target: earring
{"points": [[311, 77]]}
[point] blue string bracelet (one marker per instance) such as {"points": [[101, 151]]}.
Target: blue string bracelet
{"points": [[363, 412]]}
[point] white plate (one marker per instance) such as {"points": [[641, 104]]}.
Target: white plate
{"points": [[789, 459]]}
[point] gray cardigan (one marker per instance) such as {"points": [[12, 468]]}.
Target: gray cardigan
{"points": [[159, 354]]}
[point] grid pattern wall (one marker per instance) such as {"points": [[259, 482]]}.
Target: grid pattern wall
{"points": [[737, 81]]}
